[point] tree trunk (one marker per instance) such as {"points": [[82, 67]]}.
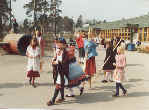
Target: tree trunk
{"points": [[1, 28]]}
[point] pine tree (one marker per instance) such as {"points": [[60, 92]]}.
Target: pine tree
{"points": [[5, 12], [79, 22]]}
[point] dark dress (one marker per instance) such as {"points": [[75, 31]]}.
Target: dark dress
{"points": [[109, 64], [62, 69]]}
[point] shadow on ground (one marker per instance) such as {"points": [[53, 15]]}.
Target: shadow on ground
{"points": [[112, 88], [138, 94], [87, 98], [11, 85], [135, 65], [135, 80], [45, 84]]}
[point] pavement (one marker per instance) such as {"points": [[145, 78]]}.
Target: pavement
{"points": [[15, 92]]}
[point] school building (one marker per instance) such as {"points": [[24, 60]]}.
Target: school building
{"points": [[138, 26]]}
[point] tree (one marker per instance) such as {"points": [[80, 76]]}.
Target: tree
{"points": [[5, 12], [45, 12], [68, 24], [39, 6], [104, 21], [40, 10], [55, 13], [26, 25], [79, 21]]}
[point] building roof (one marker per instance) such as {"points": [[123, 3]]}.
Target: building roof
{"points": [[142, 21]]}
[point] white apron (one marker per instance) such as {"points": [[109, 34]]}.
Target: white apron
{"points": [[33, 63]]}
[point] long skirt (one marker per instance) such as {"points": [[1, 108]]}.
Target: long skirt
{"points": [[71, 83], [32, 73], [90, 68]]}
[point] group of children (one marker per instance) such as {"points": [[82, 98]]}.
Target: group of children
{"points": [[114, 65], [67, 72]]}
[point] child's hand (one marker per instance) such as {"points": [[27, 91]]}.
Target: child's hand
{"points": [[114, 64], [54, 62], [31, 57]]}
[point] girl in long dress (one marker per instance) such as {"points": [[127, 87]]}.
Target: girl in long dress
{"points": [[109, 60], [119, 73], [33, 66]]}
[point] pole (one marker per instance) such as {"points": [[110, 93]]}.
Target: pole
{"points": [[55, 17], [35, 15], [10, 15], [113, 51], [55, 26]]}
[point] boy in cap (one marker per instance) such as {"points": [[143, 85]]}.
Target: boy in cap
{"points": [[61, 73]]}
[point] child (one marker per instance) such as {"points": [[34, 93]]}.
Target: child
{"points": [[109, 60], [80, 43], [119, 74], [90, 69], [33, 67], [62, 62], [77, 81]]}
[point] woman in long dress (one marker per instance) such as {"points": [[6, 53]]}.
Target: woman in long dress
{"points": [[33, 66]]}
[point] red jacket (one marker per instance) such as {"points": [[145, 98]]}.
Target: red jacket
{"points": [[80, 42]]}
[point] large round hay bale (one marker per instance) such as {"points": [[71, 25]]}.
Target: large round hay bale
{"points": [[18, 43]]}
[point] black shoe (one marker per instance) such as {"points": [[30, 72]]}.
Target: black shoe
{"points": [[125, 93], [34, 85], [50, 103], [104, 81], [81, 91], [115, 95]]}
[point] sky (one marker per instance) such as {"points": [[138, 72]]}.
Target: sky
{"points": [[110, 10]]}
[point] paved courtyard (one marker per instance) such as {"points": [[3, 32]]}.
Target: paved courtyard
{"points": [[16, 93]]}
